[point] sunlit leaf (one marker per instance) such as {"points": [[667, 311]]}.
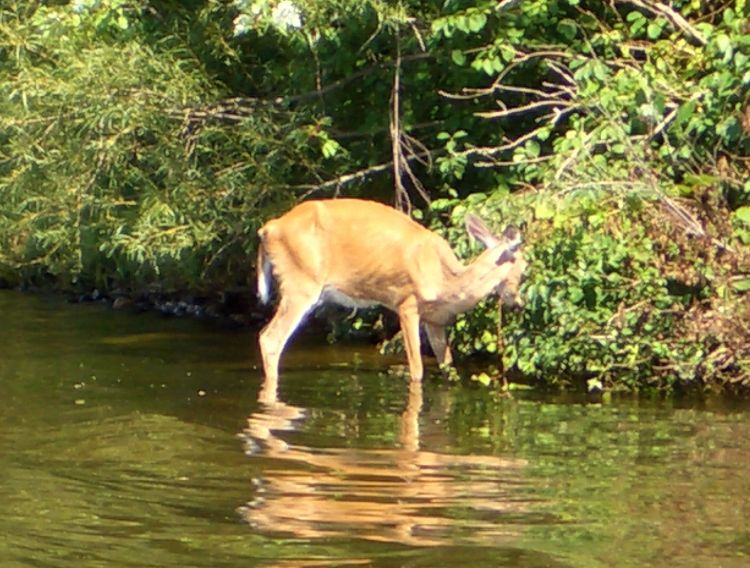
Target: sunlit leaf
{"points": [[743, 215]]}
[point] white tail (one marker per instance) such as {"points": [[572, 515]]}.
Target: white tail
{"points": [[264, 276], [356, 253]]}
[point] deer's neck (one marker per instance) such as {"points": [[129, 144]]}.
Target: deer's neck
{"points": [[464, 286]]}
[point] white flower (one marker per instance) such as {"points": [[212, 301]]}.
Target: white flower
{"points": [[242, 24], [286, 15]]}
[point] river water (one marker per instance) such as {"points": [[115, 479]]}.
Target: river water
{"points": [[137, 440]]}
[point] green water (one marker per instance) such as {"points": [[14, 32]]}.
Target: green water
{"points": [[134, 440]]}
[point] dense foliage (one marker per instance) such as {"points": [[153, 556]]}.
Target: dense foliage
{"points": [[143, 144]]}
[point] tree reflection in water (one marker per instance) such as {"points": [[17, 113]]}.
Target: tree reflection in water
{"points": [[404, 495]]}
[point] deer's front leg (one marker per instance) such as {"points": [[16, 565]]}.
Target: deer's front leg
{"points": [[408, 314], [439, 343]]}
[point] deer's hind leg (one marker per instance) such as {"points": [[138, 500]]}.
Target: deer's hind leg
{"points": [[293, 307]]}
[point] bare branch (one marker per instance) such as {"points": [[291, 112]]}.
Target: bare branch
{"points": [[538, 92], [468, 93], [573, 155], [415, 181], [343, 180], [401, 200], [489, 151], [409, 142], [524, 108], [674, 17], [670, 117], [357, 176], [418, 35], [343, 135], [562, 71], [498, 163]]}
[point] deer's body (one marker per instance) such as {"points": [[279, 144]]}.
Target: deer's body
{"points": [[356, 253]]}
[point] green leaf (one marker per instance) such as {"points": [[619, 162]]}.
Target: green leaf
{"points": [[601, 71], [637, 22], [633, 16], [330, 148], [482, 378], [686, 111], [533, 149], [544, 209], [706, 29], [458, 57], [462, 23], [653, 31], [567, 28], [740, 60], [659, 103], [507, 52], [723, 43], [576, 294], [477, 21], [729, 128], [743, 215], [741, 285]]}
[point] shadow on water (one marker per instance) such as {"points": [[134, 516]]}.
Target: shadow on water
{"points": [[133, 440]]}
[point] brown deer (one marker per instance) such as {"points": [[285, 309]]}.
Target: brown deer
{"points": [[359, 253]]}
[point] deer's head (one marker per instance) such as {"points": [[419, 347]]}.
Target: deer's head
{"points": [[508, 254]]}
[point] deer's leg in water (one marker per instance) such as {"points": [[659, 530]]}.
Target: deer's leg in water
{"points": [[292, 309]]}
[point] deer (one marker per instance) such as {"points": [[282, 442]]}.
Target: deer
{"points": [[357, 253]]}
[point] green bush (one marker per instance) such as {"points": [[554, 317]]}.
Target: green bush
{"points": [[615, 293]]}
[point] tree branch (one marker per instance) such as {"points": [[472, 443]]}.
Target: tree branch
{"points": [[524, 108], [489, 151], [401, 200], [674, 17], [468, 93], [358, 176]]}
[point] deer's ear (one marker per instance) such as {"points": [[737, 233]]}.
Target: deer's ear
{"points": [[479, 231]]}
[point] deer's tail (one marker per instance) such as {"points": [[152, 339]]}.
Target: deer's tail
{"points": [[264, 273]]}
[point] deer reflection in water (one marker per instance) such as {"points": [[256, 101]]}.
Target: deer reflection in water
{"points": [[407, 495]]}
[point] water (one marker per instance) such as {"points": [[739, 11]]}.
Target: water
{"points": [[134, 440]]}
